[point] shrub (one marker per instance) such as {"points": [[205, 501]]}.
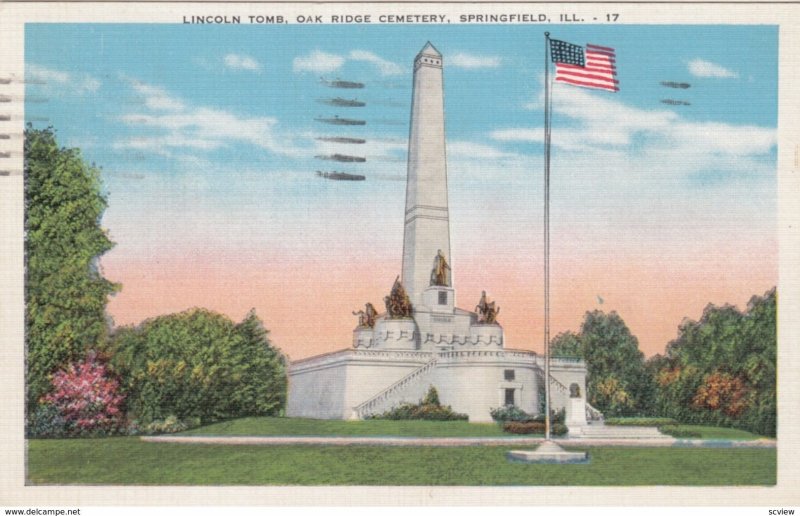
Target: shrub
{"points": [[432, 397], [170, 425], [533, 427], [523, 427], [640, 421], [199, 364], [84, 401], [510, 413], [514, 413], [428, 408], [47, 421], [679, 431], [408, 411], [556, 416], [559, 429]]}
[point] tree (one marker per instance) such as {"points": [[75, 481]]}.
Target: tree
{"points": [[198, 364], [721, 369], [566, 344], [617, 381], [65, 292], [263, 370]]}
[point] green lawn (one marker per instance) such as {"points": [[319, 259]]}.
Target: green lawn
{"points": [[714, 432], [127, 460], [374, 427], [706, 432], [318, 427]]}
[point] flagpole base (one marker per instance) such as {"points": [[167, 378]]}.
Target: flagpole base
{"points": [[548, 453]]}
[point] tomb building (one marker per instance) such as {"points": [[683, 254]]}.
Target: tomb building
{"points": [[422, 339]]}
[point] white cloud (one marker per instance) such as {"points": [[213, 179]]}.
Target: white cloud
{"points": [[466, 149], [160, 144], [57, 81], [477, 161], [156, 98], [196, 128], [470, 61], [703, 68], [322, 62], [385, 67], [518, 135], [318, 62], [601, 132], [241, 62]]}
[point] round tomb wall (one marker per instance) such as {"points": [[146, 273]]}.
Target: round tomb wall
{"points": [[486, 335], [396, 334]]}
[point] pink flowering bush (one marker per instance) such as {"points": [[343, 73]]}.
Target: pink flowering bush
{"points": [[86, 398]]}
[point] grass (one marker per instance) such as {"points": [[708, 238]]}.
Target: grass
{"points": [[372, 427], [127, 460], [378, 427], [714, 432], [705, 432]]}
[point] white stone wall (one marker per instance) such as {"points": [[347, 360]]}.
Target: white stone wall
{"points": [[395, 334], [473, 382], [436, 329], [317, 393], [470, 381], [330, 386]]}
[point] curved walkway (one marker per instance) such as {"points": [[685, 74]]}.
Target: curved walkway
{"points": [[452, 441]]}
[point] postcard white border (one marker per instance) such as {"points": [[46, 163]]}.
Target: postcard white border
{"points": [[13, 492]]}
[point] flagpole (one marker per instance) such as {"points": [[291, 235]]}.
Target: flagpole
{"points": [[547, 235]]}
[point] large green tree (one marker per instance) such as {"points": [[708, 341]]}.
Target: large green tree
{"points": [[198, 364], [721, 369], [65, 291], [567, 345], [617, 381]]}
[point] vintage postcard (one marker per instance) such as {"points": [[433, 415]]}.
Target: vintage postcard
{"points": [[399, 253]]}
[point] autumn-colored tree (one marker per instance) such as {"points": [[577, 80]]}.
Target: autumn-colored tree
{"points": [[722, 391], [721, 369]]}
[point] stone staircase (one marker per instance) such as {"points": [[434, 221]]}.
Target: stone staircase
{"points": [[601, 431], [556, 388], [411, 388]]}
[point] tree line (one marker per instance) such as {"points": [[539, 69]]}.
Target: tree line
{"points": [[720, 370], [86, 377]]}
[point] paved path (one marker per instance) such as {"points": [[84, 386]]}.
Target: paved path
{"points": [[453, 441]]}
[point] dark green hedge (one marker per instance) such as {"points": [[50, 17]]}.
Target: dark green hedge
{"points": [[533, 427]]}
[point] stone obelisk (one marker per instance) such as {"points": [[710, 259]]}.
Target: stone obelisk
{"points": [[427, 220]]}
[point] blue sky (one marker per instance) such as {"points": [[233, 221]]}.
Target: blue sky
{"points": [[207, 135], [255, 88]]}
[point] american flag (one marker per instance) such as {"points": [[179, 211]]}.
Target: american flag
{"points": [[594, 67]]}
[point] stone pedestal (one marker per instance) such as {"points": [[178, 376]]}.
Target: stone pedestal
{"points": [[576, 414], [396, 334], [440, 299], [548, 453], [488, 335], [363, 337]]}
